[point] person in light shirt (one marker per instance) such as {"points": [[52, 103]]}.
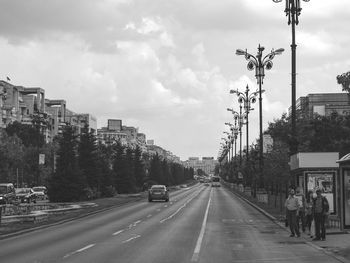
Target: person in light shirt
{"points": [[292, 207]]}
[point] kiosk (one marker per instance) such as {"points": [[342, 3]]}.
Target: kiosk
{"points": [[344, 166], [317, 170]]}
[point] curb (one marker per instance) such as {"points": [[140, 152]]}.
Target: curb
{"points": [[272, 218]]}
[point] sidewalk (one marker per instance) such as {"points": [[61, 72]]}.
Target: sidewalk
{"points": [[337, 243]]}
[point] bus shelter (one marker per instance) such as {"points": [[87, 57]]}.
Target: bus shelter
{"points": [[317, 170], [344, 182]]}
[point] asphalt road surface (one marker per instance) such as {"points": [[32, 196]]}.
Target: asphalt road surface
{"points": [[199, 224]]}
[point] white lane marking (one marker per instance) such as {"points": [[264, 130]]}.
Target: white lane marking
{"points": [[179, 209], [118, 232], [79, 250], [158, 209], [165, 206], [134, 224], [132, 238], [201, 234], [149, 216]]}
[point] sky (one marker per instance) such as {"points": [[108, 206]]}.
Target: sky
{"points": [[167, 67]]}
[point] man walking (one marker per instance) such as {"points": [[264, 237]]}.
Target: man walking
{"points": [[292, 207], [321, 208]]}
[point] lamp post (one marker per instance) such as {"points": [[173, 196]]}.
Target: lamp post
{"points": [[246, 99], [260, 63], [227, 148], [293, 11], [238, 118]]}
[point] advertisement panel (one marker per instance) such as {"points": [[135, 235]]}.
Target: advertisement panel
{"points": [[325, 181]]}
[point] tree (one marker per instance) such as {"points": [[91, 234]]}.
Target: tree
{"points": [[67, 183], [140, 174], [344, 80], [11, 156], [155, 171], [104, 166], [87, 150]]}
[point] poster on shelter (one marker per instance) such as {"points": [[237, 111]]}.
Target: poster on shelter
{"points": [[325, 182]]}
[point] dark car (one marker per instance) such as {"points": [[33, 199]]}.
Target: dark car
{"points": [[158, 192], [25, 195], [7, 193]]}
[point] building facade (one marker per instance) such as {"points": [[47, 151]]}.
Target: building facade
{"points": [[207, 164], [323, 104]]}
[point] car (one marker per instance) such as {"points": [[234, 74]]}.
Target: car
{"points": [[40, 192], [7, 193], [25, 195], [158, 192], [215, 181]]}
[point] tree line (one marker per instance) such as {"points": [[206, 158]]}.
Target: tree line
{"points": [[77, 167], [316, 134]]}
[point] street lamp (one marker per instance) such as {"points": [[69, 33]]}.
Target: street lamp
{"points": [[260, 63], [293, 11], [238, 117], [246, 99]]}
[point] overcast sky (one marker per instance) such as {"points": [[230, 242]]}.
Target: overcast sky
{"points": [[166, 66]]}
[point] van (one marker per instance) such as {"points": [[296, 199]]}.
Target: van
{"points": [[7, 193]]}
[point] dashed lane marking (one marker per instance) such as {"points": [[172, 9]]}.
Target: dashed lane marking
{"points": [[130, 239], [79, 250], [118, 232]]}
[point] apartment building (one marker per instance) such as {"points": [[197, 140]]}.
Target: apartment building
{"points": [[25, 105], [324, 104]]}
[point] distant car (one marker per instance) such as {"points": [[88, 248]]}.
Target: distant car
{"points": [[25, 195], [215, 182], [40, 192], [158, 192], [7, 193]]}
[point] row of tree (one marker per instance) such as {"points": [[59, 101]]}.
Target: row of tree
{"points": [[317, 134], [78, 167]]}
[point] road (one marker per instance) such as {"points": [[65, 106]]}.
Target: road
{"points": [[199, 224]]}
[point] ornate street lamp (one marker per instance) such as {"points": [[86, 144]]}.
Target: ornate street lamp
{"points": [[239, 119], [260, 63], [293, 11], [246, 99]]}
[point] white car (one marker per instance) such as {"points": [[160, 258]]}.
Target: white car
{"points": [[40, 192]]}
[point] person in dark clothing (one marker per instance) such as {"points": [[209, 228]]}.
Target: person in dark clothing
{"points": [[320, 209]]}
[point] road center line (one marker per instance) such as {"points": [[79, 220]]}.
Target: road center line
{"points": [[118, 232], [201, 234], [79, 250], [132, 238], [180, 208]]}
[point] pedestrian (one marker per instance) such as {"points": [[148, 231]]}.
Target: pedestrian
{"points": [[301, 213], [321, 209], [308, 212], [292, 207]]}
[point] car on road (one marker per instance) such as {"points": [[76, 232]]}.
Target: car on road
{"points": [[158, 192], [40, 192], [215, 181], [7, 193], [25, 195]]}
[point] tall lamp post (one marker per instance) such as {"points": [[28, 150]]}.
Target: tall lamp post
{"points": [[293, 11], [246, 99], [238, 117], [260, 63]]}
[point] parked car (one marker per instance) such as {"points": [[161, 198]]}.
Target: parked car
{"points": [[7, 193], [40, 192], [158, 192], [25, 195]]}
